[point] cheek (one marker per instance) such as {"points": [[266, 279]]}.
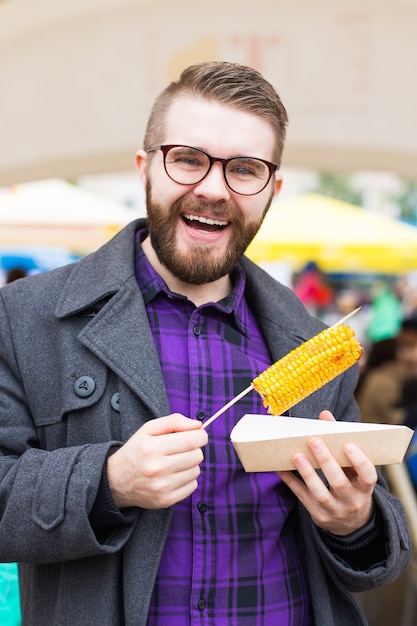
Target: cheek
{"points": [[254, 212], [160, 188], [254, 208], [165, 194]]}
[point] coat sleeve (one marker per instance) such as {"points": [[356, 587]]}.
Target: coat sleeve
{"points": [[45, 495], [393, 532], [394, 535]]}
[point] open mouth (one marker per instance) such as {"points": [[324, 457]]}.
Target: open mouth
{"points": [[205, 223]]}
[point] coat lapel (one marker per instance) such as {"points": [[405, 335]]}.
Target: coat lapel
{"points": [[120, 336], [119, 333], [283, 319]]}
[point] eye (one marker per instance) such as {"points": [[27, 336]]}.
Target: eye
{"points": [[187, 158], [247, 168]]}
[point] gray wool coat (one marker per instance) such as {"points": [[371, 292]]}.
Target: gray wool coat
{"points": [[70, 340]]}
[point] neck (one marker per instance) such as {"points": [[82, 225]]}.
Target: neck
{"points": [[198, 294]]}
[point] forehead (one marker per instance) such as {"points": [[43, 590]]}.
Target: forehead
{"points": [[218, 129]]}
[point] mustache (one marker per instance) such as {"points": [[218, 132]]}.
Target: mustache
{"points": [[200, 207]]}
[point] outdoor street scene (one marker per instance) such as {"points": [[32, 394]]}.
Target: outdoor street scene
{"points": [[187, 200]]}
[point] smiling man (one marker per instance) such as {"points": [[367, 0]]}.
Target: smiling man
{"points": [[114, 498], [199, 236]]}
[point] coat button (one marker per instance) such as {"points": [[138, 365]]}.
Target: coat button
{"points": [[115, 402], [84, 386]]}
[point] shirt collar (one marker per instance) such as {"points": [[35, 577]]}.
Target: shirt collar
{"points": [[151, 284]]}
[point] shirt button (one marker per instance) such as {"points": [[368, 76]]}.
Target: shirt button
{"points": [[197, 331], [202, 507], [84, 386], [201, 605], [200, 415]]}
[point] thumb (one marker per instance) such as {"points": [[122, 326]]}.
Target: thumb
{"points": [[327, 416]]}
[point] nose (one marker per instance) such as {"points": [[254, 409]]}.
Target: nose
{"points": [[213, 186]]}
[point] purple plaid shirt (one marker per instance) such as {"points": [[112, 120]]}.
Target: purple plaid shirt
{"points": [[231, 558]]}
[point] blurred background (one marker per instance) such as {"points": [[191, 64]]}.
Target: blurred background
{"points": [[77, 81]]}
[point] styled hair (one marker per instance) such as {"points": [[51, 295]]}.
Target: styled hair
{"points": [[227, 83]]}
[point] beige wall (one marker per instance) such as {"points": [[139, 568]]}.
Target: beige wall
{"points": [[76, 87]]}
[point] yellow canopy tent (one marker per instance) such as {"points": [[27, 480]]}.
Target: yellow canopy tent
{"points": [[340, 237]]}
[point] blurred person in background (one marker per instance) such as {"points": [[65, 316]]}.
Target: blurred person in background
{"points": [[409, 402], [385, 313], [14, 274], [377, 354], [392, 362], [409, 391], [313, 290], [407, 291]]}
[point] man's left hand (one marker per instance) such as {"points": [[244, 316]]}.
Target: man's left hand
{"points": [[346, 504]]}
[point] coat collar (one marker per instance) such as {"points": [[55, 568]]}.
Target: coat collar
{"points": [[284, 320], [101, 274], [120, 335]]}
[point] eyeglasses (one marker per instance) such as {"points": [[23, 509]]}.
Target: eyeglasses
{"points": [[185, 165]]}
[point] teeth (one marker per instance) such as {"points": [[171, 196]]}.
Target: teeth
{"points": [[205, 220]]}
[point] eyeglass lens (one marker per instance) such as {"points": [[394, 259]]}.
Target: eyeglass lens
{"points": [[244, 175]]}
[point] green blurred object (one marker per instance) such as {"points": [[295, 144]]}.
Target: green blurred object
{"points": [[385, 313], [9, 595]]}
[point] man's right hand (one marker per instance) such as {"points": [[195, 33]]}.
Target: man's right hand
{"points": [[159, 465]]}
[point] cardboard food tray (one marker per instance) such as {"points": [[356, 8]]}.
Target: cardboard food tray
{"points": [[266, 443]]}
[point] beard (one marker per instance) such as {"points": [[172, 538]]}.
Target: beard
{"points": [[199, 265]]}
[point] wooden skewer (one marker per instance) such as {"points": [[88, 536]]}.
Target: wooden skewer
{"points": [[348, 316], [248, 389], [228, 405]]}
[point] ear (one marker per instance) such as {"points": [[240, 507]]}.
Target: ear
{"points": [[141, 165], [278, 184]]}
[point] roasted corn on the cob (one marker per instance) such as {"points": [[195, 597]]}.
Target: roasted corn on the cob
{"points": [[307, 368]]}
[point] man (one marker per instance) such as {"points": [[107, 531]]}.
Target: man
{"points": [[127, 517]]}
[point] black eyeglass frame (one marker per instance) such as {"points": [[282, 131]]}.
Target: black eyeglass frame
{"points": [[272, 167]]}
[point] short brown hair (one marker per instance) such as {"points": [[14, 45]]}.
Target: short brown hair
{"points": [[231, 84]]}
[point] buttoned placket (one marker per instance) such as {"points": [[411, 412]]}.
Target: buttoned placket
{"points": [[200, 501]]}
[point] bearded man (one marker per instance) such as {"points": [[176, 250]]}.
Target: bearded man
{"points": [[116, 502]]}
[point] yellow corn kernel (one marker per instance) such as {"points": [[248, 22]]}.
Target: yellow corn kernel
{"points": [[307, 368]]}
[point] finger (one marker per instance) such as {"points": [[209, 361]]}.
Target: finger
{"points": [[311, 491], [184, 461], [313, 481], [334, 473], [365, 471], [165, 489], [171, 424], [174, 434], [327, 416], [294, 483], [363, 476]]}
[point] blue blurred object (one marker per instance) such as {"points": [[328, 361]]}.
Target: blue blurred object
{"points": [[34, 259], [411, 459], [10, 614]]}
